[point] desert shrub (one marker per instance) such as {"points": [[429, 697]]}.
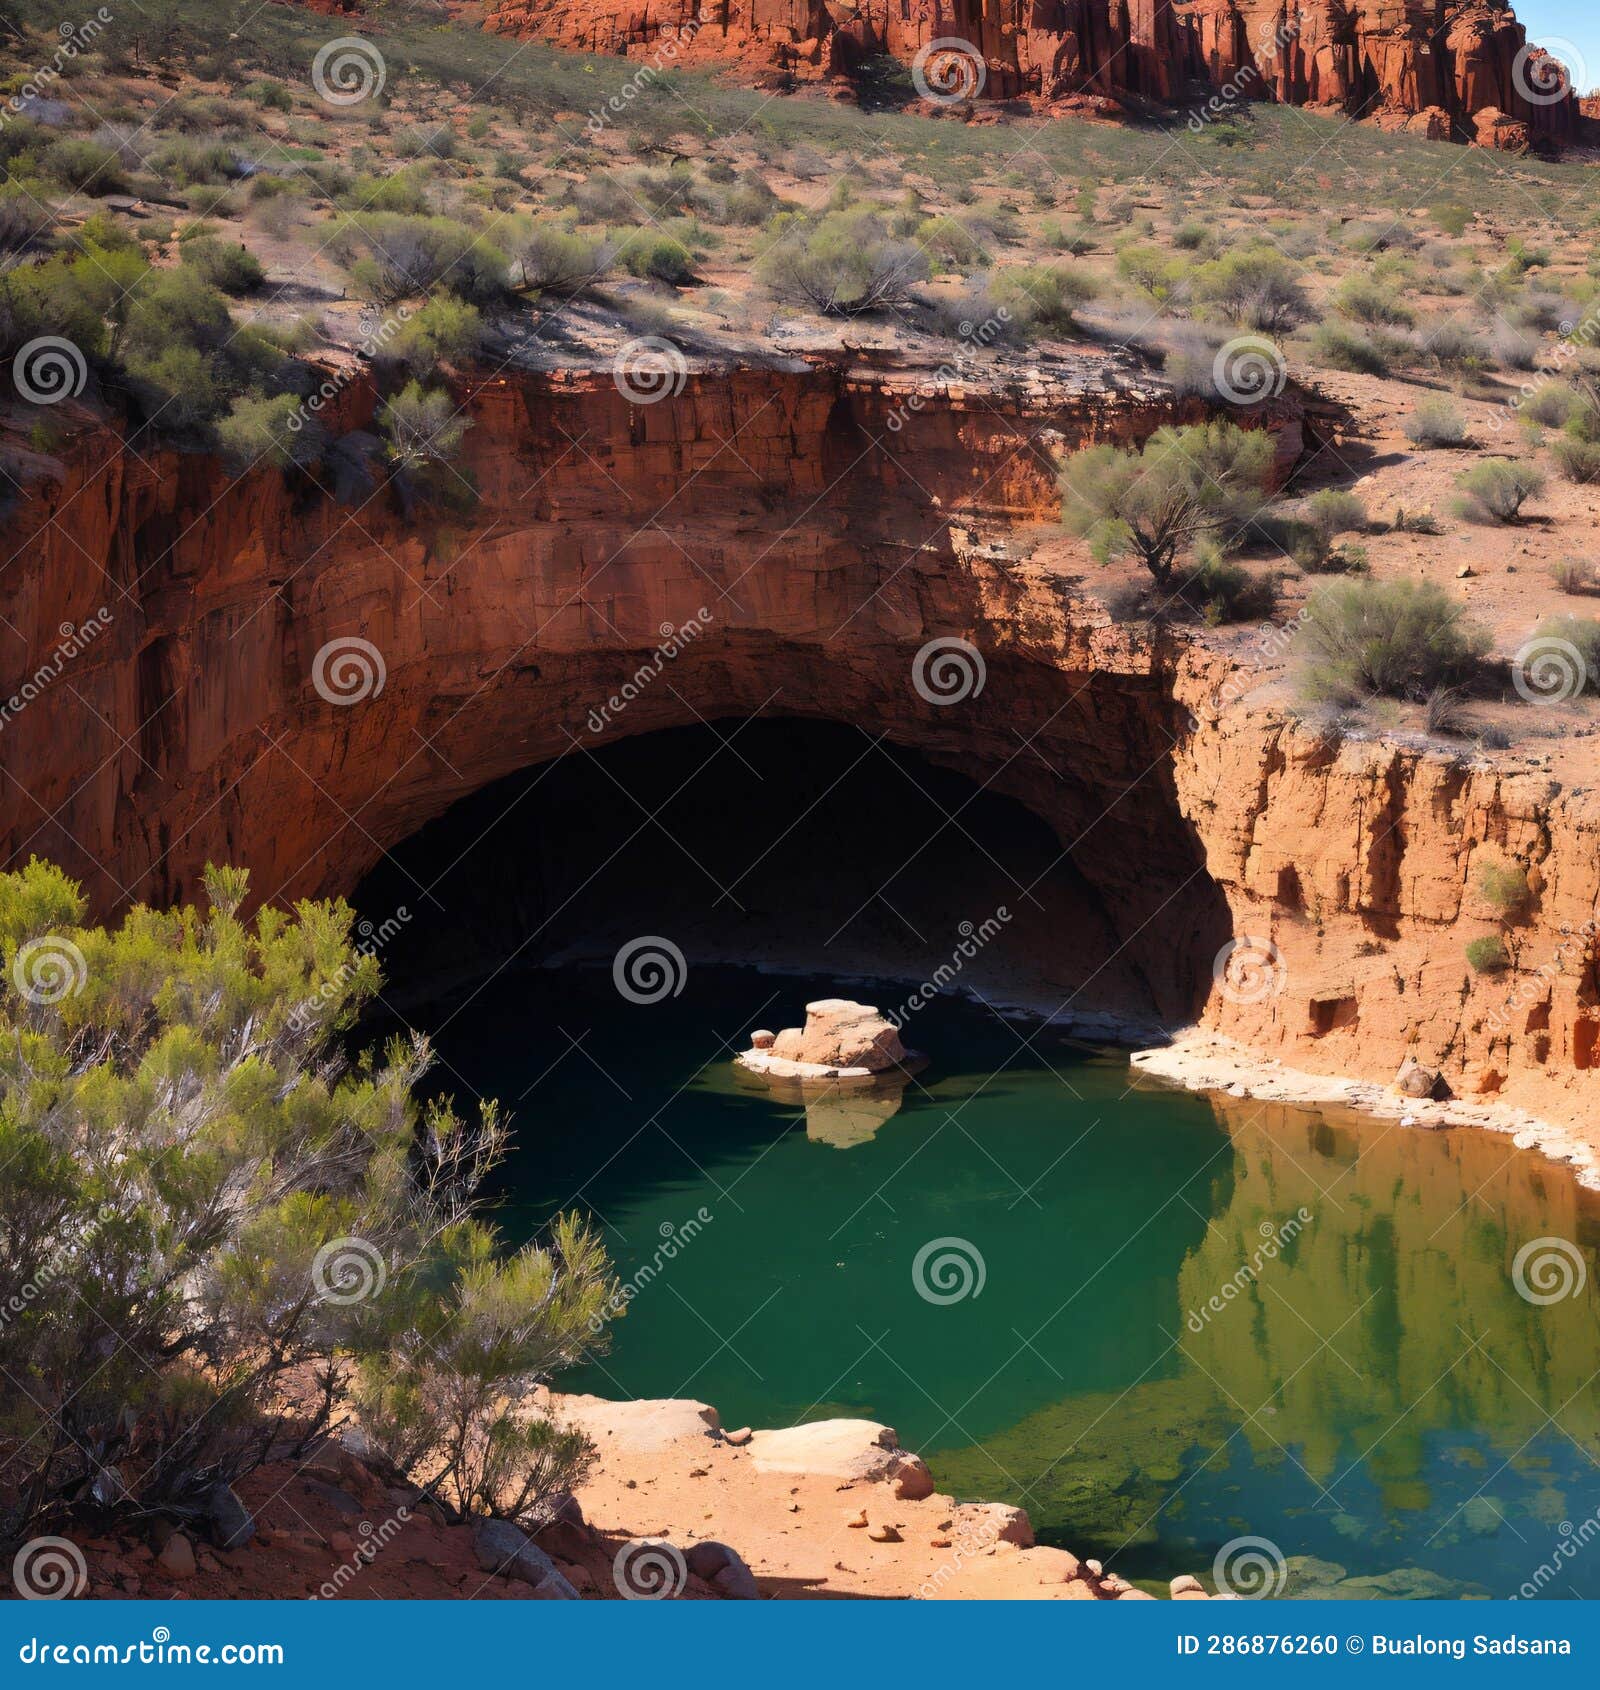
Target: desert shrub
{"points": [[404, 192], [391, 256], [185, 357], [1574, 575], [1550, 405], [422, 425], [1505, 886], [1184, 485], [1436, 422], [1497, 489], [270, 96], [1221, 591], [233, 269], [1488, 955], [843, 264], [656, 257], [1338, 346], [425, 140], [602, 198], [1334, 511], [1513, 349], [1454, 220], [1369, 301], [24, 220], [316, 1227], [950, 239], [444, 330], [1192, 237], [187, 163], [261, 430], [1577, 459], [749, 202], [84, 165], [1257, 288], [549, 257], [1582, 635], [1392, 639], [1449, 346], [1150, 270]]}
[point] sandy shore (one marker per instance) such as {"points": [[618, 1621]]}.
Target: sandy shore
{"points": [[1202, 1061]]}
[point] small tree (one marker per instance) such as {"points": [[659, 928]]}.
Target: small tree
{"points": [[211, 1223], [1155, 503], [1497, 489], [844, 264], [1257, 288]]}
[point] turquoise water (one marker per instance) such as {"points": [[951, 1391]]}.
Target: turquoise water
{"points": [[1371, 1393]]}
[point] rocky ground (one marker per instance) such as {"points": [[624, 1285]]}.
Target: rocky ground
{"points": [[677, 1508]]}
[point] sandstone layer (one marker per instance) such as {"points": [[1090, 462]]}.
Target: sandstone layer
{"points": [[1446, 69], [1308, 897]]}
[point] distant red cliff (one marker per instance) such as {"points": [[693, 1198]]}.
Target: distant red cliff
{"points": [[1437, 67]]}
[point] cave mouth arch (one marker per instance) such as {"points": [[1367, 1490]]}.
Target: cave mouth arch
{"points": [[790, 843]]}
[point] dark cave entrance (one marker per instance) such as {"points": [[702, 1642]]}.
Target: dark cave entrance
{"points": [[793, 844]]}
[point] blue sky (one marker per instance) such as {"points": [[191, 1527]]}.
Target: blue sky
{"points": [[1577, 21]]}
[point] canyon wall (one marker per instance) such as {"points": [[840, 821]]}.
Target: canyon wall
{"points": [[819, 527], [1443, 68]]}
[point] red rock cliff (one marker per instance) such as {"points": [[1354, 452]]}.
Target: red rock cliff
{"points": [[192, 726], [1462, 70]]}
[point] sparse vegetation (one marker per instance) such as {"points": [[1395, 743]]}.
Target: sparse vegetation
{"points": [[1497, 489], [1386, 639]]}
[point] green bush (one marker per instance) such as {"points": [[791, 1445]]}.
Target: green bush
{"points": [[1370, 301], [1390, 639], [84, 165], [316, 1239], [1257, 288], [1505, 886], [1220, 591], [233, 269], [550, 257], [1155, 503], [1550, 405], [444, 330], [275, 431], [1334, 511], [391, 256], [1338, 346], [1488, 955], [1582, 633], [1578, 460], [843, 264], [1497, 489], [657, 258], [1436, 422]]}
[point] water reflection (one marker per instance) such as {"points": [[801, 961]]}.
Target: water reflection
{"points": [[1375, 1394]]}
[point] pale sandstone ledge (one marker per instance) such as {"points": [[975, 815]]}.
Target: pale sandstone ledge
{"points": [[834, 1508], [1202, 1061]]}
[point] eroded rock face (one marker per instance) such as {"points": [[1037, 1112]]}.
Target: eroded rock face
{"points": [[815, 569], [1439, 62]]}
